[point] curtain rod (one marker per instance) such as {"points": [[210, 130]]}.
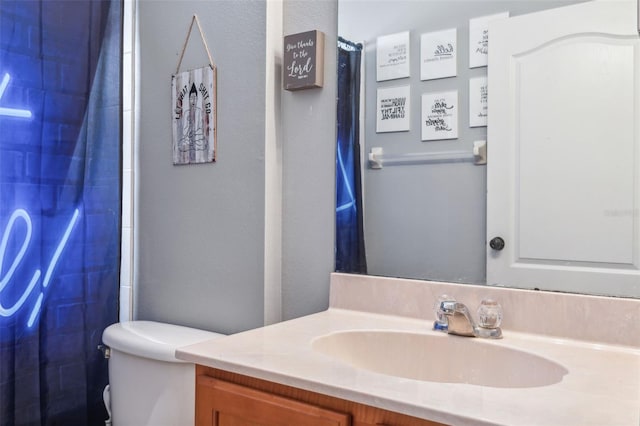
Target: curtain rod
{"points": [[350, 44]]}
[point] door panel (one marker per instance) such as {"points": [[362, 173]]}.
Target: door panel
{"points": [[222, 403], [564, 151]]}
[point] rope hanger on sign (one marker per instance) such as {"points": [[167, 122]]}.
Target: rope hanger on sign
{"points": [[194, 108], [186, 42]]}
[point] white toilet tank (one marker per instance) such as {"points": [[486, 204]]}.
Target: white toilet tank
{"points": [[148, 385]]}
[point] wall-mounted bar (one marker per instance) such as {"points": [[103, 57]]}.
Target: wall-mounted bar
{"points": [[377, 158]]}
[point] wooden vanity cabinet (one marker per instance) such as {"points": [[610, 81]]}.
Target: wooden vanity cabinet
{"points": [[229, 399], [223, 403]]}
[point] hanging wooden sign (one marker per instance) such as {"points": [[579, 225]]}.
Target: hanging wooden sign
{"points": [[194, 110], [303, 60], [193, 97]]}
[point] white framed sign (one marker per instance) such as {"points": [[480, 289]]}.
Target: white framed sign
{"points": [[193, 101], [440, 115], [393, 109], [478, 101], [479, 39], [392, 56], [438, 58]]}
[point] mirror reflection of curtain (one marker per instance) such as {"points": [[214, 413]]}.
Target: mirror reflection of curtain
{"points": [[350, 249], [60, 168]]}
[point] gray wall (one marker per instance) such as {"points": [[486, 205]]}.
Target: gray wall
{"points": [[201, 227], [309, 133], [425, 221]]}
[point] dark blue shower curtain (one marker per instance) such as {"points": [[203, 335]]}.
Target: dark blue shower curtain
{"points": [[60, 167], [350, 250]]}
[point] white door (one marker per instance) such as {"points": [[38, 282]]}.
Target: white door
{"points": [[564, 150]]}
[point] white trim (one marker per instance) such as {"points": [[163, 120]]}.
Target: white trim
{"points": [[273, 165], [129, 160]]}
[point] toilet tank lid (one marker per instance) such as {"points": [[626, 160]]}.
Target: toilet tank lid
{"points": [[154, 340]]}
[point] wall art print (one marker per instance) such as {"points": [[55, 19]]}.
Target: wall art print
{"points": [[193, 97], [440, 116], [479, 39], [438, 58], [393, 109], [478, 101], [392, 56]]}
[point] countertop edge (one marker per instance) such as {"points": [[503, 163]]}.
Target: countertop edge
{"points": [[268, 353], [336, 392]]}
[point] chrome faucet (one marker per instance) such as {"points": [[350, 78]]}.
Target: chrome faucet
{"points": [[460, 321]]}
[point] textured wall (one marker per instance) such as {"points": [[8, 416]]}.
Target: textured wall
{"points": [[309, 133], [201, 227]]}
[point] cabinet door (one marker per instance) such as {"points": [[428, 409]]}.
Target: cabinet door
{"points": [[220, 403], [564, 150]]}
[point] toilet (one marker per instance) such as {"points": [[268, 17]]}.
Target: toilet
{"points": [[148, 385]]}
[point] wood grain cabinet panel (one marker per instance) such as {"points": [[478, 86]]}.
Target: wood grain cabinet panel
{"points": [[229, 404], [229, 399]]}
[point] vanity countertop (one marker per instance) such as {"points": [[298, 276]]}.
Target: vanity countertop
{"points": [[601, 388]]}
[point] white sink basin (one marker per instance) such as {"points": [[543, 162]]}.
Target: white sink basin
{"points": [[440, 358]]}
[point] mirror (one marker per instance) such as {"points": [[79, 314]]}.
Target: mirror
{"points": [[423, 221]]}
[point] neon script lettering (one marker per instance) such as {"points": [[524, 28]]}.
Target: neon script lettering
{"points": [[11, 112], [8, 273]]}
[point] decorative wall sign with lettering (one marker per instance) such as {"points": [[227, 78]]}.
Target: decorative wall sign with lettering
{"points": [[392, 56], [303, 60], [478, 101], [36, 287], [194, 116], [438, 54], [479, 39], [393, 109], [440, 116]]}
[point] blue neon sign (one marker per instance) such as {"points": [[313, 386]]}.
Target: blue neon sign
{"points": [[21, 214], [8, 278], [30, 287], [11, 112]]}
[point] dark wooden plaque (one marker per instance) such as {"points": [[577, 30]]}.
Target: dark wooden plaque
{"points": [[303, 60]]}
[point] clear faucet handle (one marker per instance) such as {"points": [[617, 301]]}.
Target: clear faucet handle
{"points": [[489, 314], [441, 323]]}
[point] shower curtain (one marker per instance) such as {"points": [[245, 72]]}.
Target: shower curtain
{"points": [[350, 249], [60, 149]]}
